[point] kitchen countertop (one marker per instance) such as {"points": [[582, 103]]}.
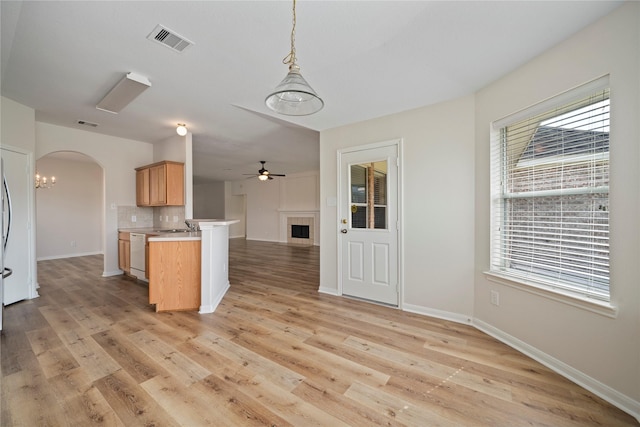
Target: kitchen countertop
{"points": [[154, 235]]}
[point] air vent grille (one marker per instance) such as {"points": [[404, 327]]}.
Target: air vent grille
{"points": [[169, 38], [82, 122]]}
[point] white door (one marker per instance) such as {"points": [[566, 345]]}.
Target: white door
{"points": [[368, 214], [18, 253]]}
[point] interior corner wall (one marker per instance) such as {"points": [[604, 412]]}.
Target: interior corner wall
{"points": [[600, 352], [209, 200], [119, 173], [235, 208], [437, 204], [69, 215]]}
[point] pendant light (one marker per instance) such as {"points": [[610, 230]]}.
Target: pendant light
{"points": [[293, 96]]}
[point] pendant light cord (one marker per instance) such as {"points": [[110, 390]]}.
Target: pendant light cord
{"points": [[291, 57]]}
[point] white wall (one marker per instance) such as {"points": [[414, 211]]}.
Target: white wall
{"points": [[438, 197], [235, 207], [266, 199], [18, 132], [69, 215], [209, 200], [118, 157], [604, 352]]}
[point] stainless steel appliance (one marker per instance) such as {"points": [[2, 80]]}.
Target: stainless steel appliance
{"points": [[138, 256], [5, 199]]}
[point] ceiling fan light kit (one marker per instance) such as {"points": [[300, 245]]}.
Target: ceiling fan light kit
{"points": [[293, 96], [263, 174]]}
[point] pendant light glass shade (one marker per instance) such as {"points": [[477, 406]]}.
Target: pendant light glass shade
{"points": [[293, 96]]}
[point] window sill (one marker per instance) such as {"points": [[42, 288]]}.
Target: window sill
{"points": [[598, 307]]}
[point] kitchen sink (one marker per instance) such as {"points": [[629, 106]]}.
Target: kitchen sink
{"points": [[173, 230]]}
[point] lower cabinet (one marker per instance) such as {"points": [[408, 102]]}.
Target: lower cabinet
{"points": [[174, 275], [124, 252]]}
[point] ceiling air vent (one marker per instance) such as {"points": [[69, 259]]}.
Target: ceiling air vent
{"points": [[82, 122], [169, 38]]}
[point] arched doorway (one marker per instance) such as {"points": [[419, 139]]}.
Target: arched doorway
{"points": [[69, 214]]}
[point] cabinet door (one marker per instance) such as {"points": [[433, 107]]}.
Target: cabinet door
{"points": [[142, 187], [157, 180], [124, 255], [175, 184]]}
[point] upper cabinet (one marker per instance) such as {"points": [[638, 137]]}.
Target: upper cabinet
{"points": [[160, 184]]}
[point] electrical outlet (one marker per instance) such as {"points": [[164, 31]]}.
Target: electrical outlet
{"points": [[495, 298], [175, 218], [133, 218], [73, 243], [166, 218]]}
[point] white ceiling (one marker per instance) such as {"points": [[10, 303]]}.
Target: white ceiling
{"points": [[366, 59]]}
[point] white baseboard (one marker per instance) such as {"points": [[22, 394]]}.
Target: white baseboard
{"points": [[439, 314], [112, 273], [328, 291], [210, 308], [46, 258], [625, 403]]}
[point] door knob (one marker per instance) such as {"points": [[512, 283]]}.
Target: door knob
{"points": [[343, 231]]}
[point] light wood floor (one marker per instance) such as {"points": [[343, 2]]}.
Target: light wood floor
{"points": [[91, 351]]}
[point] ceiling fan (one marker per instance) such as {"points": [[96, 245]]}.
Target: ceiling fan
{"points": [[264, 174]]}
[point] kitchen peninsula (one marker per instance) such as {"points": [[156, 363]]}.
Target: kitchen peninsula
{"points": [[189, 270]]}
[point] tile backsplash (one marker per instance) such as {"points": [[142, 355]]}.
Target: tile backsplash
{"points": [[151, 217]]}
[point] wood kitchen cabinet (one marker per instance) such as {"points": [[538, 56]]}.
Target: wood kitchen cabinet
{"points": [[143, 191], [174, 275], [124, 252], [160, 184]]}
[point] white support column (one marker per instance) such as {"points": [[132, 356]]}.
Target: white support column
{"points": [[215, 263]]}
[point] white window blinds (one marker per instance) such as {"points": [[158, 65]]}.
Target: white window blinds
{"points": [[550, 191]]}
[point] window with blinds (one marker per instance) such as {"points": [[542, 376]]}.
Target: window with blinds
{"points": [[550, 207]]}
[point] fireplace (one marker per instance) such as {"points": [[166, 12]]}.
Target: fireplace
{"points": [[300, 230]]}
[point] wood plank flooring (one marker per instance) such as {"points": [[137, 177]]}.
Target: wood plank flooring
{"points": [[92, 351]]}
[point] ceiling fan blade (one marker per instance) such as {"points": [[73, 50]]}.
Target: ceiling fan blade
{"points": [[277, 174]]}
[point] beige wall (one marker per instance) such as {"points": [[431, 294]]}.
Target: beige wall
{"points": [[69, 215], [601, 352], [438, 195], [209, 200], [118, 157]]}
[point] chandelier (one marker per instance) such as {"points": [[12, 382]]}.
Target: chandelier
{"points": [[44, 182], [293, 96]]}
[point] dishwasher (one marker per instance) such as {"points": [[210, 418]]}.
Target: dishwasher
{"points": [[138, 256]]}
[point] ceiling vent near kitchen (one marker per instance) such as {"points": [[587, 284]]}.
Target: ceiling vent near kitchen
{"points": [[82, 122], [169, 38]]}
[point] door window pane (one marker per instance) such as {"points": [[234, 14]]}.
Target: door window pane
{"points": [[369, 195]]}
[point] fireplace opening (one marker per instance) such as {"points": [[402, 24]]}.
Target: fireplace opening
{"points": [[300, 231]]}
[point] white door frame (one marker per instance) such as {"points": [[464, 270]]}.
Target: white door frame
{"points": [[398, 144]]}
